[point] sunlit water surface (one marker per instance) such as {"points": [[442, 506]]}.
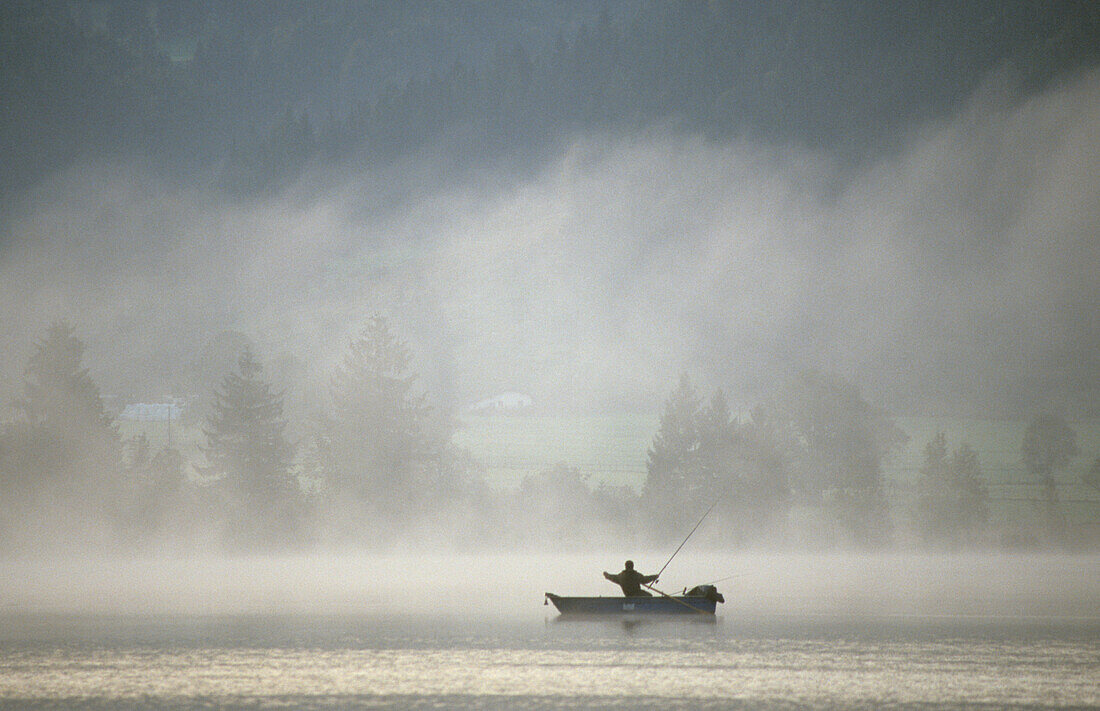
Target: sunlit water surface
{"points": [[445, 631], [541, 661]]}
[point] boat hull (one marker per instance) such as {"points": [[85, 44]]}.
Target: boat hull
{"points": [[656, 605]]}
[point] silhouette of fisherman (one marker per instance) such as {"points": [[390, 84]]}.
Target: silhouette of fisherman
{"points": [[631, 580]]}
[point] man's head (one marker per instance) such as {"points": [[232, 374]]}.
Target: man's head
{"points": [[629, 565]]}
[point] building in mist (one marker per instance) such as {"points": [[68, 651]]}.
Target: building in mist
{"points": [[151, 411], [505, 403]]}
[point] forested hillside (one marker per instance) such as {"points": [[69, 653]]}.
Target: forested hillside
{"points": [[246, 94]]}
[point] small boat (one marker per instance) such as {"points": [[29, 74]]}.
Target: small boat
{"points": [[701, 600]]}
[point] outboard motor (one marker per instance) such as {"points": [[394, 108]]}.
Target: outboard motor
{"points": [[706, 591]]}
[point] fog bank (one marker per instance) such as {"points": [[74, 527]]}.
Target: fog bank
{"points": [[955, 276], [512, 586]]}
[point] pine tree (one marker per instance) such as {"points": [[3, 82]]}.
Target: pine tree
{"points": [[1092, 477], [58, 391], [62, 447], [247, 447], [702, 457], [836, 442], [1049, 445], [718, 445], [381, 446], [971, 493], [951, 498], [755, 486], [159, 490], [62, 425], [672, 462]]}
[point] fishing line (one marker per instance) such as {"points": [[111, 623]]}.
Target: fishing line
{"points": [[728, 577]]}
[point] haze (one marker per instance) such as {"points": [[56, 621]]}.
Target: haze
{"points": [[486, 587], [950, 277], [790, 227]]}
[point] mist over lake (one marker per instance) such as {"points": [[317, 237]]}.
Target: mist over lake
{"points": [[492, 586], [335, 335], [411, 631]]}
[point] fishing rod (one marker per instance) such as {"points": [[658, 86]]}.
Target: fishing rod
{"points": [[684, 541], [676, 599]]}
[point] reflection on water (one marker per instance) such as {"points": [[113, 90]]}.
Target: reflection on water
{"points": [[303, 661]]}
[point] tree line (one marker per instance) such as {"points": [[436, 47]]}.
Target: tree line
{"points": [[377, 468], [806, 469]]}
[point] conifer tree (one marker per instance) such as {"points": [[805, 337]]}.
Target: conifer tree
{"points": [[952, 496], [247, 447], [62, 428], [719, 442], [836, 442], [1092, 476], [702, 457], [1048, 447], [672, 462], [62, 447], [382, 443]]}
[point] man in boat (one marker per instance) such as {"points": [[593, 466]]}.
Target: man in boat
{"points": [[631, 581]]}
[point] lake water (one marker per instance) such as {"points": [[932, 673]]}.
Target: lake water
{"points": [[315, 632], [544, 662]]}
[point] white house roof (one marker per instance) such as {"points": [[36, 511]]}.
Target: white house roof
{"points": [[509, 401], [151, 411]]}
